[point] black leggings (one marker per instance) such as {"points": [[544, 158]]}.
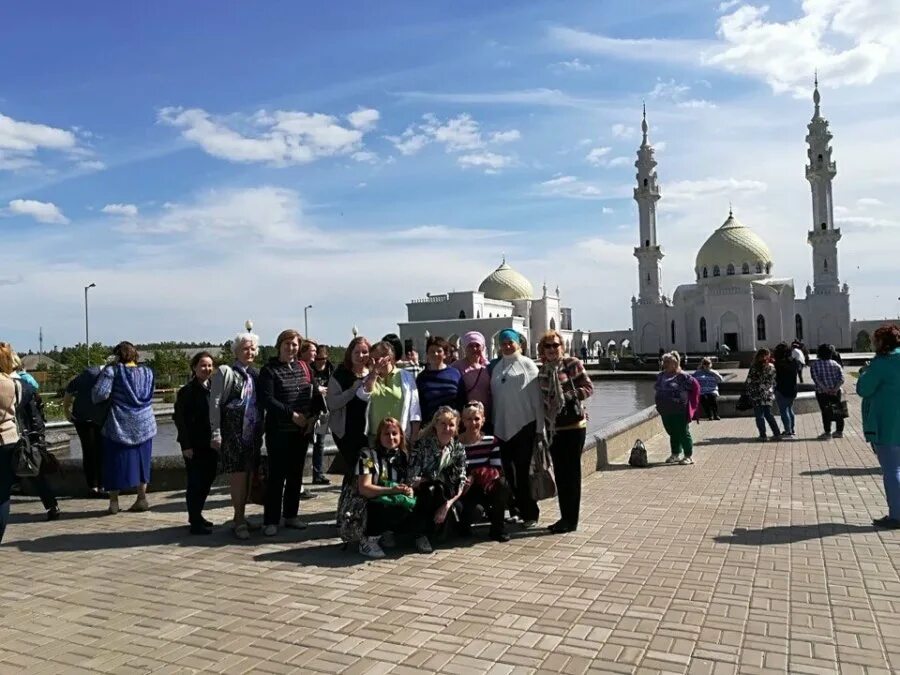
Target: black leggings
{"points": [[430, 496], [565, 451], [710, 403], [494, 503], [516, 456], [381, 518]]}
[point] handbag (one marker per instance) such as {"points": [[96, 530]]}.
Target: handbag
{"points": [[541, 482], [258, 480], [572, 412], [26, 456], [744, 402], [837, 408], [401, 500]]}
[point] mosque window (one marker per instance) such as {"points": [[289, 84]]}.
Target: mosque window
{"points": [[645, 182], [824, 226], [730, 270], [798, 326], [478, 314], [552, 323], [820, 159], [759, 268], [702, 329], [705, 273], [768, 267], [491, 315], [646, 242], [462, 314], [826, 264], [745, 268], [672, 326], [760, 327], [716, 272]]}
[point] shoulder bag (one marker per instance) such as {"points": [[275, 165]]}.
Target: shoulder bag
{"points": [[541, 481], [26, 457]]}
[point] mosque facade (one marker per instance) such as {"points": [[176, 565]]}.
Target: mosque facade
{"points": [[737, 299], [505, 299]]}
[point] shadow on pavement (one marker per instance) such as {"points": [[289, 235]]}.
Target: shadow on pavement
{"points": [[789, 534], [729, 440], [845, 471]]}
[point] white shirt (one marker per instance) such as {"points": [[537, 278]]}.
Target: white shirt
{"points": [[797, 355]]}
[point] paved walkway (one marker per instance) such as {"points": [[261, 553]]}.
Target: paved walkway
{"points": [[760, 557]]}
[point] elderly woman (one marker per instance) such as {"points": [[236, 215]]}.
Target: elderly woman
{"points": [[677, 399], [381, 473], [564, 385], [234, 420], [476, 380], [879, 387], [709, 380], [390, 392], [518, 419], [347, 411], [437, 473], [9, 434], [291, 401], [192, 422], [828, 377], [129, 427], [787, 371], [761, 390], [485, 485], [438, 384]]}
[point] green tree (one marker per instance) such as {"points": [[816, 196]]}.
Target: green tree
{"points": [[171, 367]]}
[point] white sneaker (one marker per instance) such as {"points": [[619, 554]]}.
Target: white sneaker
{"points": [[686, 460], [295, 523], [825, 437], [673, 459], [270, 530], [423, 545], [388, 539], [368, 546]]}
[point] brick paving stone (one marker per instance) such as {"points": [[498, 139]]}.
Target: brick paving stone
{"points": [[759, 558]]}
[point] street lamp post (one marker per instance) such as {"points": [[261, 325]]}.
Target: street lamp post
{"points": [[87, 337], [306, 320]]}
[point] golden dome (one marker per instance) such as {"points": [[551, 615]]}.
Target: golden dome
{"points": [[504, 283]]}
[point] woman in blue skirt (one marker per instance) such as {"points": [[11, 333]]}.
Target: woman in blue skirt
{"points": [[129, 427]]}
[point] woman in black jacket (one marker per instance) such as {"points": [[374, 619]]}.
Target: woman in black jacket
{"points": [[192, 422], [291, 401], [787, 372]]}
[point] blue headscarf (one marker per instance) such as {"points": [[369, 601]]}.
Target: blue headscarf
{"points": [[509, 334]]}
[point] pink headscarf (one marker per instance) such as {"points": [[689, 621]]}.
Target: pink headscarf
{"points": [[473, 336]]}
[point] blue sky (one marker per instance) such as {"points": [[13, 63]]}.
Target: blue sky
{"points": [[208, 162]]}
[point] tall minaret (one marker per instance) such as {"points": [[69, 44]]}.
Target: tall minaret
{"points": [[820, 171], [646, 194]]}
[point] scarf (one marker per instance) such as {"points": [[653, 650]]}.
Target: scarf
{"points": [[554, 399], [473, 336], [248, 398]]}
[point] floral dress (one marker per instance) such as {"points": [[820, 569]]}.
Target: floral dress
{"points": [[761, 384], [241, 428], [445, 465]]}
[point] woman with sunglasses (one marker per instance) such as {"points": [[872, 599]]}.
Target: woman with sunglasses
{"points": [[564, 386]]}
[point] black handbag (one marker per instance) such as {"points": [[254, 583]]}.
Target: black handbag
{"points": [[27, 457], [744, 402], [837, 409], [572, 412]]}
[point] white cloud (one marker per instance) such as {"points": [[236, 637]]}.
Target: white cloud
{"points": [[281, 138], [677, 93], [623, 131], [866, 222], [869, 201], [639, 49], [607, 210], [728, 4], [692, 190], [444, 233], [597, 156], [43, 212], [460, 134], [92, 165], [576, 65], [127, 210], [532, 97], [570, 187], [619, 161], [21, 144], [489, 161], [365, 156]]}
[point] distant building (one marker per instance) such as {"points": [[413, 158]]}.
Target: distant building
{"points": [[505, 299]]}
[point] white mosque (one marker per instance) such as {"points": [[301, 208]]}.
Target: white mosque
{"points": [[737, 300], [505, 299]]}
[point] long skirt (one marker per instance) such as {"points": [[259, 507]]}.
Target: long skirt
{"points": [[126, 466]]}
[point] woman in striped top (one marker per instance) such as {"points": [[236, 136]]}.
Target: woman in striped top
{"points": [[485, 484], [564, 385]]}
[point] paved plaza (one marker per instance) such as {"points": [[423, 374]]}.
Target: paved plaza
{"points": [[759, 558]]}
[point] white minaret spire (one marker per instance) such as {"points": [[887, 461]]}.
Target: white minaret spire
{"points": [[820, 172], [646, 194]]}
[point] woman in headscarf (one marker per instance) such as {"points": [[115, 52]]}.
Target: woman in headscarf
{"points": [[476, 380], [564, 385], [235, 422], [518, 419], [129, 427]]}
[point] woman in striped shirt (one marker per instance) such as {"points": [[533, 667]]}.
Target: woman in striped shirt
{"points": [[485, 484]]}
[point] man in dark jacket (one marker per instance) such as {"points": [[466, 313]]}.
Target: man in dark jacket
{"points": [[88, 417]]}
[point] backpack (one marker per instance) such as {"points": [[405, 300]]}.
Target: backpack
{"points": [[638, 456], [351, 514]]}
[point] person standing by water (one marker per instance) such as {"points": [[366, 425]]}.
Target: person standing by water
{"points": [[192, 423], [879, 387], [291, 402], [564, 385], [787, 372], [709, 380], [828, 377], [129, 427], [761, 390], [518, 420], [677, 398], [87, 416], [235, 423]]}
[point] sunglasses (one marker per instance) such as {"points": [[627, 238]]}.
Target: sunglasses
{"points": [[552, 345]]}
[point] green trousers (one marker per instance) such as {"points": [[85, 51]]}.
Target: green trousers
{"points": [[678, 426]]}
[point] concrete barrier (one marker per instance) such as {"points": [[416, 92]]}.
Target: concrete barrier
{"points": [[612, 443]]}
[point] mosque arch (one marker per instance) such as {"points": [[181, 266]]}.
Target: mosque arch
{"points": [[760, 327], [798, 326], [716, 271], [552, 323], [745, 268], [672, 330], [759, 268], [729, 270], [462, 314], [702, 329], [705, 273]]}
